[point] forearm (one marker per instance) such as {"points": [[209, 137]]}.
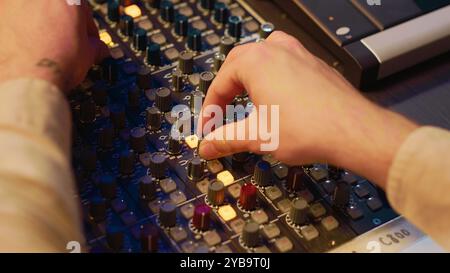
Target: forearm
{"points": [[38, 211]]}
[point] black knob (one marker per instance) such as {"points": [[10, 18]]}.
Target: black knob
{"points": [[219, 59], [106, 136], [235, 27], [206, 78], [118, 117], [181, 25], [87, 111], [299, 211], [154, 54], [134, 96], [149, 238], [250, 234], [196, 168], [140, 39], [110, 70], [113, 11], [138, 140], [147, 188], [97, 209], [296, 179], [163, 99], [266, 30], [168, 215], [196, 101], [107, 185], [238, 160], [126, 25], [216, 193], [144, 78], [153, 118], [186, 62], [126, 162], [114, 238], [263, 173], [207, 4], [89, 159], [341, 194], [221, 13], [174, 146], [100, 95], [158, 165], [226, 45], [177, 80], [167, 11], [194, 40]]}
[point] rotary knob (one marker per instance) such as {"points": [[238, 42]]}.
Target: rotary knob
{"points": [[266, 30], [153, 118], [168, 215], [89, 159], [250, 235], [206, 78], [181, 25], [138, 140], [158, 165], [154, 54], [134, 96], [235, 27], [97, 209], [196, 168], [108, 186], [110, 70], [87, 111], [207, 4], [202, 217], [221, 13], [140, 39], [147, 188], [167, 11], [296, 179], [106, 137], [263, 173], [219, 59], [238, 160], [156, 4], [196, 101], [113, 11], [216, 193], [163, 99], [186, 62], [226, 45], [177, 80], [248, 196], [341, 194], [174, 146], [126, 26], [118, 117], [126, 162], [194, 40], [144, 78], [114, 238], [299, 211]]}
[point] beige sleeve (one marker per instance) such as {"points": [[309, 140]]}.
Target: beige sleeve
{"points": [[38, 208], [419, 182]]}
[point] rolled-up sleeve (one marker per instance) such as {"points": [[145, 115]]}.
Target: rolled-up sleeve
{"points": [[38, 207], [419, 182]]}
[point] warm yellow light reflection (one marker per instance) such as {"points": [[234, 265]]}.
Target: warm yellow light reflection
{"points": [[133, 11]]}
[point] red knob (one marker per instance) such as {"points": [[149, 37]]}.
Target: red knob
{"points": [[248, 196], [202, 217]]}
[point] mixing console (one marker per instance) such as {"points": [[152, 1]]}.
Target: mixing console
{"points": [[143, 191]]}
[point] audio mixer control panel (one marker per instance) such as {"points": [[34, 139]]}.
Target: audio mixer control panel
{"points": [[141, 190]]}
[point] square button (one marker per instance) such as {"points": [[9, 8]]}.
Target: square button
{"points": [[194, 80], [318, 173], [187, 211], [307, 195], [167, 185], [374, 203], [281, 171], [223, 249], [178, 234], [309, 232], [226, 178], [251, 26], [354, 212], [262, 249], [188, 247], [199, 24], [317, 210], [283, 244], [158, 38], [212, 39], [171, 54], [284, 205], [145, 24], [238, 11], [202, 186], [214, 166], [361, 191], [329, 223], [273, 192], [271, 231], [349, 178], [212, 238], [235, 190], [227, 213], [237, 225], [178, 197], [328, 186], [186, 11], [260, 216]]}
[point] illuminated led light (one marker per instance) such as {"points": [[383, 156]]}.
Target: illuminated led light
{"points": [[106, 38], [226, 178], [227, 213], [133, 11], [192, 141]]}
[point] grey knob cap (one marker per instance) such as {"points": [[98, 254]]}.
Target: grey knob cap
{"points": [[158, 165], [251, 235], [299, 211], [186, 62], [206, 78], [216, 193]]}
